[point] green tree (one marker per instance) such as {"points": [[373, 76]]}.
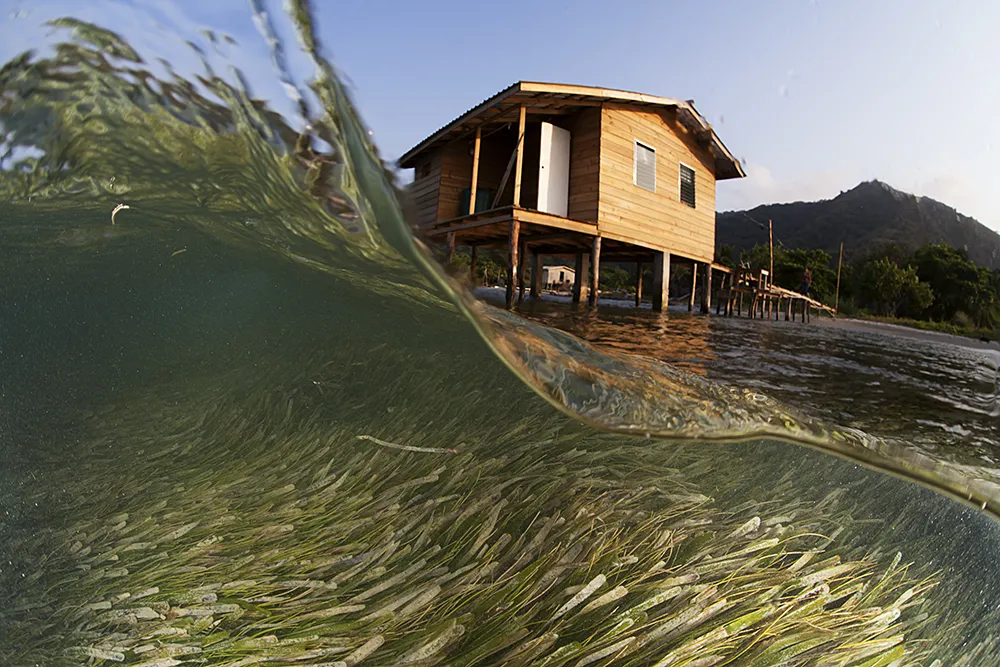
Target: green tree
{"points": [[616, 278], [890, 290], [961, 287]]}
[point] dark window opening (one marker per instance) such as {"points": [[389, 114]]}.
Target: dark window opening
{"points": [[687, 185]]}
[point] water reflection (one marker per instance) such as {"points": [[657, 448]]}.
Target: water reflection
{"points": [[935, 392]]}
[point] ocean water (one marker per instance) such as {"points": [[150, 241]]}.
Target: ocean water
{"points": [[247, 419]]}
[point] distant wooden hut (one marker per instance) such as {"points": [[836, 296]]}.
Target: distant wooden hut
{"points": [[554, 276], [591, 174]]}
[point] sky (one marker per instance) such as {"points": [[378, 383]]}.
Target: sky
{"points": [[814, 97]]}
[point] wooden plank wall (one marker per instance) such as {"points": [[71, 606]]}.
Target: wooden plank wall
{"points": [[456, 175], [584, 163], [654, 219], [424, 191]]}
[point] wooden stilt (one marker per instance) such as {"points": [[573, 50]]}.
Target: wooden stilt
{"points": [[722, 288], [638, 284], [739, 305], [582, 270], [513, 244], [523, 254], [595, 271], [472, 265], [788, 309], [451, 247], [536, 275], [661, 281], [706, 295], [694, 285]]}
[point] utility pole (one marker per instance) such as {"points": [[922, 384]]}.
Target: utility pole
{"points": [[840, 263], [770, 243]]}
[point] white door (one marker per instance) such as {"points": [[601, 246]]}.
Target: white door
{"points": [[553, 171]]}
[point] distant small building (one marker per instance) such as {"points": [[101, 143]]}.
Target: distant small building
{"points": [[588, 174], [557, 276]]}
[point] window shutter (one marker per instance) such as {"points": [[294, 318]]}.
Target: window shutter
{"points": [[645, 167], [687, 185]]}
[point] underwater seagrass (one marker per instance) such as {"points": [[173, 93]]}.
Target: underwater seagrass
{"points": [[271, 435]]}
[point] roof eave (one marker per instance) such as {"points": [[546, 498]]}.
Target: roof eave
{"points": [[406, 161]]}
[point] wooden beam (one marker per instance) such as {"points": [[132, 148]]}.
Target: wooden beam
{"points": [[661, 281], [595, 270], [520, 156], [536, 274], [513, 241], [472, 266], [475, 170], [638, 284], [451, 247], [557, 221], [694, 285]]}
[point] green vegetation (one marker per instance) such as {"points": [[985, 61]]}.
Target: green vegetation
{"points": [[936, 287], [869, 215]]}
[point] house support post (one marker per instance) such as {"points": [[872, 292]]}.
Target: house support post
{"points": [[513, 242], [523, 255], [638, 284], [706, 294], [582, 270], [694, 285], [595, 271], [661, 281], [451, 248], [472, 265], [536, 275]]}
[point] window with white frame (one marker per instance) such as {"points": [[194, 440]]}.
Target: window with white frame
{"points": [[687, 185], [644, 172]]}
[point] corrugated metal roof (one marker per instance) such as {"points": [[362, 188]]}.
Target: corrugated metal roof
{"points": [[520, 92]]}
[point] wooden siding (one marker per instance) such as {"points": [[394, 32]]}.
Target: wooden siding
{"points": [[658, 219], [456, 175], [424, 191], [584, 164]]}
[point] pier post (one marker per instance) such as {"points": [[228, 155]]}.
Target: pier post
{"points": [[694, 285], [595, 271], [582, 270], [472, 265], [788, 308], [661, 281], [638, 284], [536, 275], [451, 248]]}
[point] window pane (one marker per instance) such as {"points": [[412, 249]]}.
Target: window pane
{"points": [[645, 167]]}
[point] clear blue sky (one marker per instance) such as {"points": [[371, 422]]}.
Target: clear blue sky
{"points": [[814, 96]]}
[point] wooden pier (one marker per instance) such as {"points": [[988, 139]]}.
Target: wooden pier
{"points": [[745, 287]]}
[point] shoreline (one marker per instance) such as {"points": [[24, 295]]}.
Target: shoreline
{"points": [[894, 329]]}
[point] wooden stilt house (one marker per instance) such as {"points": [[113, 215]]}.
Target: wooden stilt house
{"points": [[588, 174]]}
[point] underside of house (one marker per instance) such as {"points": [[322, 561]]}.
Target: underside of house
{"points": [[581, 174]]}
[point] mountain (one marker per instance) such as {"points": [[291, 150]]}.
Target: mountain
{"points": [[871, 214]]}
